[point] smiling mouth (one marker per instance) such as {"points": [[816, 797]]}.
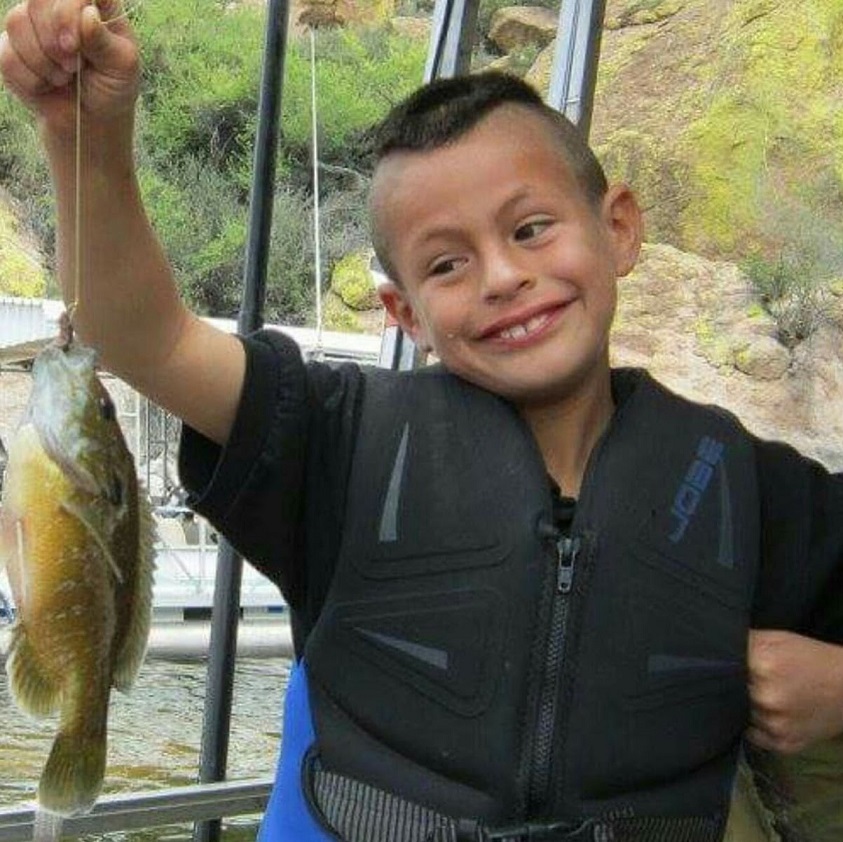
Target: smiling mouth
{"points": [[525, 329]]}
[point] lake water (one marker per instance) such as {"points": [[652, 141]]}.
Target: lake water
{"points": [[154, 736]]}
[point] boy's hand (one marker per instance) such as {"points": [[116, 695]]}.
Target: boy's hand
{"points": [[39, 50], [796, 690]]}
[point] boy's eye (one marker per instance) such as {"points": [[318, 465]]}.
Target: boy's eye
{"points": [[445, 266], [531, 229]]}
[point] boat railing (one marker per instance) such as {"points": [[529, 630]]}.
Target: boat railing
{"points": [[132, 811]]}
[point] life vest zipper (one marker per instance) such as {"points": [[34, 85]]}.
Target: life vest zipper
{"points": [[567, 550]]}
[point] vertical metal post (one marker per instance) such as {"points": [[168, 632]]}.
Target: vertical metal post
{"points": [[451, 38], [226, 609], [574, 74]]}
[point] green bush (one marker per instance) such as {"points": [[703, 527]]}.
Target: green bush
{"points": [[802, 257], [201, 64], [792, 290], [360, 74], [196, 127], [23, 169], [770, 279], [290, 286]]}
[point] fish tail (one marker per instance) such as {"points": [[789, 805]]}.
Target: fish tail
{"points": [[72, 778]]}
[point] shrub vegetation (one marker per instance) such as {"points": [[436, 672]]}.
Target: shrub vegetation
{"points": [[196, 129], [793, 275]]}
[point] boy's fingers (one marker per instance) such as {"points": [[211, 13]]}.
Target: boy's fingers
{"points": [[56, 24], [105, 49], [112, 14], [23, 41], [17, 77]]}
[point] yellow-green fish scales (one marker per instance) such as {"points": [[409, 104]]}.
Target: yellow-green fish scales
{"points": [[75, 537]]}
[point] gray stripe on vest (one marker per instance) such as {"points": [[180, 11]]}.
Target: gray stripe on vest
{"points": [[434, 657], [726, 551], [389, 515], [673, 663]]}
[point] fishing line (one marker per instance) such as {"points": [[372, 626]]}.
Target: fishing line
{"points": [[77, 227]]}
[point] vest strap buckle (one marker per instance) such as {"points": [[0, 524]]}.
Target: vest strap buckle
{"points": [[468, 830], [584, 831]]}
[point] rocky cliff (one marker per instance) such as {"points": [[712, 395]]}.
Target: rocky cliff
{"points": [[696, 325]]}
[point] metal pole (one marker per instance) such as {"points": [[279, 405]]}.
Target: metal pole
{"points": [[226, 609], [451, 38], [574, 74]]}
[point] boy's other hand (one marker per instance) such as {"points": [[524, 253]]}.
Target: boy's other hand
{"points": [[39, 51], [796, 690]]}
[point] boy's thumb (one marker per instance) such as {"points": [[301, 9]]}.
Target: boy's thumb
{"points": [[100, 46]]}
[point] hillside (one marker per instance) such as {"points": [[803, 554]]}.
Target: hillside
{"points": [[725, 115]]}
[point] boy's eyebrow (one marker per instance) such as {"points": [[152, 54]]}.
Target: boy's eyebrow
{"points": [[450, 231], [517, 197]]}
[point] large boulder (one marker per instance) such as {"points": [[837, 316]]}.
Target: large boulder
{"points": [[319, 13], [698, 327], [516, 27]]}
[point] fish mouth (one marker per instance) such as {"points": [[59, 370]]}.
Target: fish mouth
{"points": [[61, 388], [71, 357]]}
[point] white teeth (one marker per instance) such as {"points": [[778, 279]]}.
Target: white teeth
{"points": [[517, 331]]}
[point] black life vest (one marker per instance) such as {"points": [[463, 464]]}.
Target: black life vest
{"points": [[472, 659]]}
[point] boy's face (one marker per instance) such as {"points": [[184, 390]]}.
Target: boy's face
{"points": [[506, 271]]}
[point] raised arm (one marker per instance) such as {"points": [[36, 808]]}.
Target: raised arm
{"points": [[128, 306]]}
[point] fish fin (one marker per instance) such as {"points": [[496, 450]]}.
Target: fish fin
{"points": [[79, 514], [31, 690], [72, 778], [130, 657]]}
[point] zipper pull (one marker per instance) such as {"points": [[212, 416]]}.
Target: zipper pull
{"points": [[567, 549]]}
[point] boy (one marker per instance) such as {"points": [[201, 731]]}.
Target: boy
{"points": [[548, 566]]}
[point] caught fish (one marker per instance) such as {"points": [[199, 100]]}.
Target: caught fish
{"points": [[76, 540]]}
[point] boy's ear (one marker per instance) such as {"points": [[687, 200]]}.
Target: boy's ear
{"points": [[400, 308], [626, 227]]}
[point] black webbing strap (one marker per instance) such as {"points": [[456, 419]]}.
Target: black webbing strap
{"points": [[357, 812]]}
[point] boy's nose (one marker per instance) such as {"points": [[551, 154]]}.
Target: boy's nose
{"points": [[504, 278]]}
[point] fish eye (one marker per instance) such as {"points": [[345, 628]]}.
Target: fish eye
{"points": [[107, 412]]}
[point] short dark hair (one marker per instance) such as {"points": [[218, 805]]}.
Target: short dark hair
{"points": [[444, 110]]}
